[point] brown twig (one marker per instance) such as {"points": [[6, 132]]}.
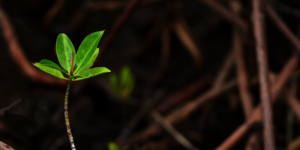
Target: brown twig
{"points": [[240, 66], [253, 142], [52, 12], [283, 28], [154, 31], [4, 146], [184, 111], [183, 95], [225, 68], [147, 106], [130, 7], [294, 145], [257, 20], [182, 32], [4, 110], [227, 14], [285, 73], [95, 6], [165, 52], [19, 57], [293, 103], [167, 126]]}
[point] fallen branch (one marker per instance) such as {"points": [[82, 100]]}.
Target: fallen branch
{"points": [[227, 14], [19, 57], [285, 73], [177, 135], [262, 65], [53, 11], [4, 146]]}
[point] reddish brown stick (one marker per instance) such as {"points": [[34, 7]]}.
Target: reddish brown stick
{"points": [[285, 73], [184, 111], [183, 95], [18, 55], [165, 52], [283, 27], [257, 20], [240, 66], [227, 14], [293, 103], [52, 12], [117, 26]]}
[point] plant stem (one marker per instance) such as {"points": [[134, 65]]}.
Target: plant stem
{"points": [[67, 116]]}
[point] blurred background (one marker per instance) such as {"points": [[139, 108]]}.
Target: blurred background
{"points": [[191, 63]]}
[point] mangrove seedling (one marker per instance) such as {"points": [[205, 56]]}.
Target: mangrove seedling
{"points": [[75, 66], [122, 84]]}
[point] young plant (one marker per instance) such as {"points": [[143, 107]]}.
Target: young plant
{"points": [[114, 146], [76, 66], [123, 84]]}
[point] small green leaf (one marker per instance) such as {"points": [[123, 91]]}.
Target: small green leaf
{"points": [[112, 146], [92, 72], [52, 64], [54, 72], [64, 49], [89, 64], [127, 80], [87, 49], [98, 70]]}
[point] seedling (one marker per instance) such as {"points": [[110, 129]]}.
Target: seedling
{"points": [[76, 66], [114, 146], [123, 84]]}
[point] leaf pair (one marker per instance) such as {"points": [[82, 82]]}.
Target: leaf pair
{"points": [[75, 65]]}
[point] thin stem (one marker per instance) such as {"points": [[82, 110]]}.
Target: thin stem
{"points": [[67, 116]]}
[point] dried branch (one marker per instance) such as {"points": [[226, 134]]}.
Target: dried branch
{"points": [[183, 95], [53, 11], [225, 68], [253, 142], [257, 20], [227, 14], [167, 126], [183, 34], [240, 66], [18, 55], [154, 31], [95, 6], [4, 146], [130, 7], [293, 103], [294, 145], [285, 73], [184, 111], [165, 52], [4, 110], [283, 28]]}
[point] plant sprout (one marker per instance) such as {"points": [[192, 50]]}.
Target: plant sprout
{"points": [[77, 66], [122, 84]]}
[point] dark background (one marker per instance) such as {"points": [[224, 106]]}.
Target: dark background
{"points": [[96, 118]]}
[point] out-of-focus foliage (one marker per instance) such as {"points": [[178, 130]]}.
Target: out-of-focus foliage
{"points": [[122, 84]]}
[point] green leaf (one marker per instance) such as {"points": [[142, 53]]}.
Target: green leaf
{"points": [[112, 146], [54, 72], [89, 63], [98, 70], [87, 49], [64, 50], [127, 80], [52, 64], [92, 72]]}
